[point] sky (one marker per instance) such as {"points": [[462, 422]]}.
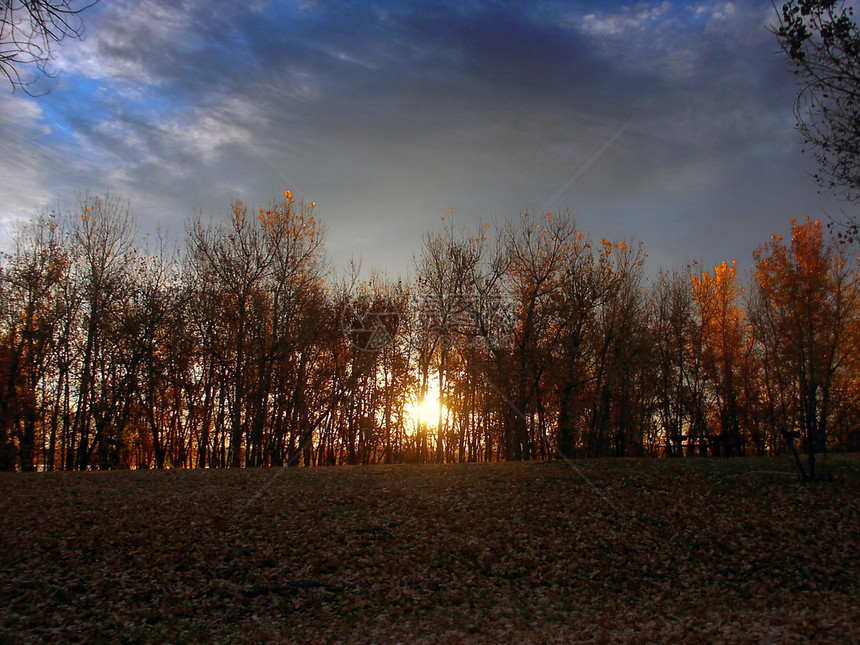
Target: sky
{"points": [[666, 123]]}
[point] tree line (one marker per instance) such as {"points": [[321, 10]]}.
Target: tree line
{"points": [[244, 348]]}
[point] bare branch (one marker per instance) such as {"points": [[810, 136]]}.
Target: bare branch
{"points": [[28, 31]]}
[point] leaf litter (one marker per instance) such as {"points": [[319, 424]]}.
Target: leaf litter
{"points": [[610, 551]]}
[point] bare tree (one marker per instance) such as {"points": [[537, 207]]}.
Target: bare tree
{"points": [[620, 351], [103, 243], [446, 287], [28, 31], [675, 337], [540, 251], [230, 263], [821, 39], [31, 312]]}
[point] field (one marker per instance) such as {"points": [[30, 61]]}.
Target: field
{"points": [[604, 551]]}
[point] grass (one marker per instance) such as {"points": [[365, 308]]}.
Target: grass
{"points": [[696, 550]]}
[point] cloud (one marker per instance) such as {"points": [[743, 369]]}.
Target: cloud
{"points": [[128, 41], [22, 160], [718, 11], [677, 43], [621, 24], [389, 114]]}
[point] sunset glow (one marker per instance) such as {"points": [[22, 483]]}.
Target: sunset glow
{"points": [[426, 410]]}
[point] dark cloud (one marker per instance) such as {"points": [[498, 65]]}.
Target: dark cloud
{"points": [[388, 114]]}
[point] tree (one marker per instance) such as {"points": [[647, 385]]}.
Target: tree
{"points": [[724, 339], [28, 31], [229, 264], [32, 311], [259, 312], [103, 245], [164, 352], [540, 252], [577, 303], [619, 354], [809, 325], [677, 345], [446, 286], [822, 41]]}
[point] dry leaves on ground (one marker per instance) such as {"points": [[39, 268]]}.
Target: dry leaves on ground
{"points": [[607, 551]]}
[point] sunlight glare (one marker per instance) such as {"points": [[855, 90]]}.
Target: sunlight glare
{"points": [[426, 410]]}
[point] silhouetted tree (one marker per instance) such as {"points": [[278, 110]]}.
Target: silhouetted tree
{"points": [[675, 336], [822, 41], [103, 246], [540, 250], [28, 31], [30, 290], [448, 305], [619, 353]]}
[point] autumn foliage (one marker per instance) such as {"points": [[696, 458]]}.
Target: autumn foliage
{"points": [[809, 329], [244, 348]]}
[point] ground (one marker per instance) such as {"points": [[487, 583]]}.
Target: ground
{"points": [[596, 551]]}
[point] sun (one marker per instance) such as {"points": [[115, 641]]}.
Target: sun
{"points": [[426, 411]]}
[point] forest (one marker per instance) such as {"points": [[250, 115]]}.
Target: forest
{"points": [[241, 346]]}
